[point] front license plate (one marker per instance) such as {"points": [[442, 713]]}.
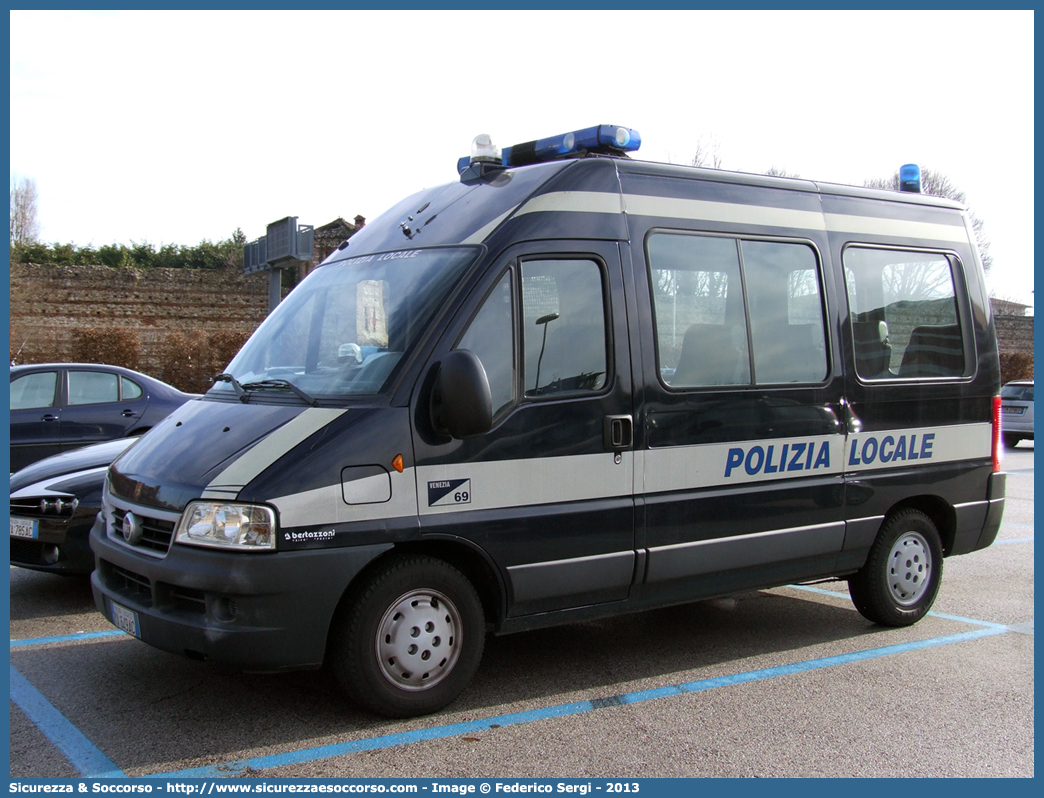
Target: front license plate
{"points": [[126, 619], [25, 528]]}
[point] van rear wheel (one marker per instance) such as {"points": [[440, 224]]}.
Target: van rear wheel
{"points": [[898, 584], [410, 639]]}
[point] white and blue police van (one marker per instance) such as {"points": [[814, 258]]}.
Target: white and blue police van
{"points": [[568, 385]]}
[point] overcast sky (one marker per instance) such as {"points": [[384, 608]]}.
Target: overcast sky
{"points": [[175, 127]]}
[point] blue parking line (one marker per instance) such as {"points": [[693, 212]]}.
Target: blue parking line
{"points": [[563, 710], [1018, 540], [39, 641], [91, 762], [81, 752]]}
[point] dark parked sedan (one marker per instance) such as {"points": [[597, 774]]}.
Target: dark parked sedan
{"points": [[53, 506], [60, 406]]}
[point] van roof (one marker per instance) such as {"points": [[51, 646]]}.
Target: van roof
{"points": [[476, 208]]}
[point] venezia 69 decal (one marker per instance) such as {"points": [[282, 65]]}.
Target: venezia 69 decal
{"points": [[448, 492]]}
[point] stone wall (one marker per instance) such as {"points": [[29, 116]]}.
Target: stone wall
{"points": [[1014, 334], [49, 303]]}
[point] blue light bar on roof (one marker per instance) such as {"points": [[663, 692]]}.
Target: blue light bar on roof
{"points": [[910, 178], [602, 137]]}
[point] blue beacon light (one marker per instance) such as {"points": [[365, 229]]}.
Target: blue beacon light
{"points": [[603, 138], [910, 178]]}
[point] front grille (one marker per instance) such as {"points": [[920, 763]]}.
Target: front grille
{"points": [[43, 506], [29, 552], [128, 583], [156, 533], [188, 599]]}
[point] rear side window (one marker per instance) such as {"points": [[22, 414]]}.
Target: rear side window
{"points": [[93, 387], [1020, 393], [903, 307], [130, 389], [736, 312]]}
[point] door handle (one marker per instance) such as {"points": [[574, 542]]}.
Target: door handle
{"points": [[129, 414], [617, 433], [49, 417]]}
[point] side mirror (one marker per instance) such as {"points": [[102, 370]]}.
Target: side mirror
{"points": [[461, 404]]}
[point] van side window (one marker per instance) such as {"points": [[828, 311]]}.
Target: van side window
{"points": [[786, 312], [903, 308], [563, 327], [489, 336], [703, 318]]}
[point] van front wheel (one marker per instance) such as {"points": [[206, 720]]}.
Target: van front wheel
{"points": [[411, 638], [898, 584]]}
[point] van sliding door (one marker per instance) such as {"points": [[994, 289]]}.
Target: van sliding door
{"points": [[742, 443], [547, 493]]}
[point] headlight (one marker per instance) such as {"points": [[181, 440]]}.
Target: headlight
{"points": [[246, 527]]}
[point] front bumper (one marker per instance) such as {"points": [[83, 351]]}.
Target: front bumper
{"points": [[258, 612], [61, 548]]}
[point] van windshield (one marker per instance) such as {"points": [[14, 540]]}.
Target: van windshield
{"points": [[346, 327]]}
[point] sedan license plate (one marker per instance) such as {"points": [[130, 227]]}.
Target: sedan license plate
{"points": [[1015, 411], [25, 528], [125, 619]]}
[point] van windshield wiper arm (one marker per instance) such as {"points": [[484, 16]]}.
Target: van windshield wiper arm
{"points": [[262, 385], [226, 377]]}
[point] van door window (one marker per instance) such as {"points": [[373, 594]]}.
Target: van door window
{"points": [[903, 308], [701, 330], [489, 336], [708, 333], [563, 327], [786, 312]]}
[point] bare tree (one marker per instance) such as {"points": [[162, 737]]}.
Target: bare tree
{"points": [[776, 171], [939, 185], [25, 228], [707, 154]]}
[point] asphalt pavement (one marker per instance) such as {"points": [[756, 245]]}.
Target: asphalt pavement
{"points": [[784, 682]]}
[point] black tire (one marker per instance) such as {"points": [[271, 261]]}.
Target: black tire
{"points": [[898, 584], [1010, 440], [409, 638]]}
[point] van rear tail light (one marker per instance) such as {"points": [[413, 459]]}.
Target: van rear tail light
{"points": [[997, 449]]}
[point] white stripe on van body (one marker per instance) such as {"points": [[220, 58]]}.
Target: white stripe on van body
{"points": [[256, 459], [903, 448], [527, 482], [554, 480], [876, 226], [737, 213], [708, 465], [328, 505], [720, 464], [724, 212]]}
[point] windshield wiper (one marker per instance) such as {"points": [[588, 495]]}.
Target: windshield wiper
{"points": [[263, 385], [226, 377]]}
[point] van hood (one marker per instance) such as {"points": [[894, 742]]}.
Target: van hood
{"points": [[203, 446]]}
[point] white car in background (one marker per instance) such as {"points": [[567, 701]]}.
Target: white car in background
{"points": [[1017, 412]]}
